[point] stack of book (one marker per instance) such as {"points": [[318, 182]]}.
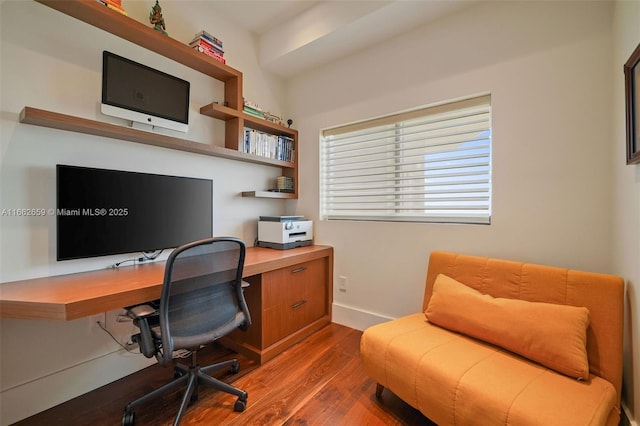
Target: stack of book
{"points": [[284, 184], [114, 5], [253, 109], [209, 45], [276, 147]]}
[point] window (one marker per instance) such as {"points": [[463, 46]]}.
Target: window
{"points": [[432, 164]]}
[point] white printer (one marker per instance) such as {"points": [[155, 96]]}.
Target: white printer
{"points": [[284, 232]]}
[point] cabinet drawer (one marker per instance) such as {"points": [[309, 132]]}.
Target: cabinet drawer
{"points": [[293, 297]]}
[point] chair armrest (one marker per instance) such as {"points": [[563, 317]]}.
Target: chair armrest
{"points": [[141, 315], [139, 311]]}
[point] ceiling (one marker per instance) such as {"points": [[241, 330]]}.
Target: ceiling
{"points": [[297, 35], [259, 16]]}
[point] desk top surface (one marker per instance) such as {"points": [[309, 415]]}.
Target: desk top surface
{"points": [[67, 297]]}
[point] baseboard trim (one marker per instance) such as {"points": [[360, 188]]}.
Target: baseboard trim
{"points": [[357, 318], [29, 398], [627, 418]]}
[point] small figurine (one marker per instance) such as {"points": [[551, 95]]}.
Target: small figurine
{"points": [[155, 17]]}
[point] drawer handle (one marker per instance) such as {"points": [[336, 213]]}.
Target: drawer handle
{"points": [[298, 304], [295, 271]]}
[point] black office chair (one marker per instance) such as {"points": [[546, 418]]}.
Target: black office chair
{"points": [[202, 300]]}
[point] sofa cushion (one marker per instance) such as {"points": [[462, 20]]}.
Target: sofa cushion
{"points": [[552, 335], [455, 379]]}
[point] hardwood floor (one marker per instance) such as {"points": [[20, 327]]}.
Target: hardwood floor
{"points": [[319, 381]]}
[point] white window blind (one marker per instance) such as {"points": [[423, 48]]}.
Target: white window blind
{"points": [[427, 165]]}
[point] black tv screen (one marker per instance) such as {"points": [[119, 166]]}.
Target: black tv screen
{"points": [[143, 94], [104, 212]]}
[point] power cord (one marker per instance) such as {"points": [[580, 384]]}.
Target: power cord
{"points": [[114, 338], [117, 265], [180, 353], [152, 256], [146, 256]]}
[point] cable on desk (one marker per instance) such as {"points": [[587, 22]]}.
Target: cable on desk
{"points": [[146, 256]]}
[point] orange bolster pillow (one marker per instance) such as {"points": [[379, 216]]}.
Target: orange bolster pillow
{"points": [[549, 334]]}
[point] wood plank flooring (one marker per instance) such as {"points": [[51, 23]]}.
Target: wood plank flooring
{"points": [[319, 381]]}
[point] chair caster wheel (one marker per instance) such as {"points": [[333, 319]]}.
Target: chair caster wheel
{"points": [[235, 368], [239, 406], [129, 418]]}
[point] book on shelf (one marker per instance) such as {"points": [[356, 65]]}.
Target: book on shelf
{"points": [[253, 112], [113, 5], [252, 105], [252, 108], [206, 48], [284, 183], [276, 147], [208, 37], [206, 45], [210, 53]]}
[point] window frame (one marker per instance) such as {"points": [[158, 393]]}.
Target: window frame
{"points": [[473, 199]]}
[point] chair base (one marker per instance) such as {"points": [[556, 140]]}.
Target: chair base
{"points": [[192, 376]]}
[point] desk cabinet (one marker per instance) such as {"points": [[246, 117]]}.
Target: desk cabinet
{"points": [[286, 305]]}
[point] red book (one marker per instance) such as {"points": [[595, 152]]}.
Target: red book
{"points": [[210, 53], [207, 45]]}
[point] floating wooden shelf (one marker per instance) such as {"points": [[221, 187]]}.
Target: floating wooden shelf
{"points": [[225, 113], [269, 194], [54, 120], [96, 14]]}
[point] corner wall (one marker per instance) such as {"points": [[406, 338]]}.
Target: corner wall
{"points": [[626, 214], [551, 97]]}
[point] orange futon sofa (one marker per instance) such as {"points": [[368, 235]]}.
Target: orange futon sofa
{"points": [[505, 343]]}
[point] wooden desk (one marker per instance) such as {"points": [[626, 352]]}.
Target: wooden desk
{"points": [[68, 297], [290, 296]]}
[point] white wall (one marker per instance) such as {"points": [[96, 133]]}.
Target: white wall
{"points": [[52, 61], [561, 192], [547, 67], [626, 215]]}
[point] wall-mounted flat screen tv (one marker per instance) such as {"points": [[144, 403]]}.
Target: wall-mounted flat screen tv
{"points": [[143, 94], [104, 212]]}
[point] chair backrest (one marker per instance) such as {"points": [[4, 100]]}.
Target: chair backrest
{"points": [[602, 294], [202, 297]]}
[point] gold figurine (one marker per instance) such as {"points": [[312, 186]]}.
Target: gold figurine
{"points": [[155, 17]]}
